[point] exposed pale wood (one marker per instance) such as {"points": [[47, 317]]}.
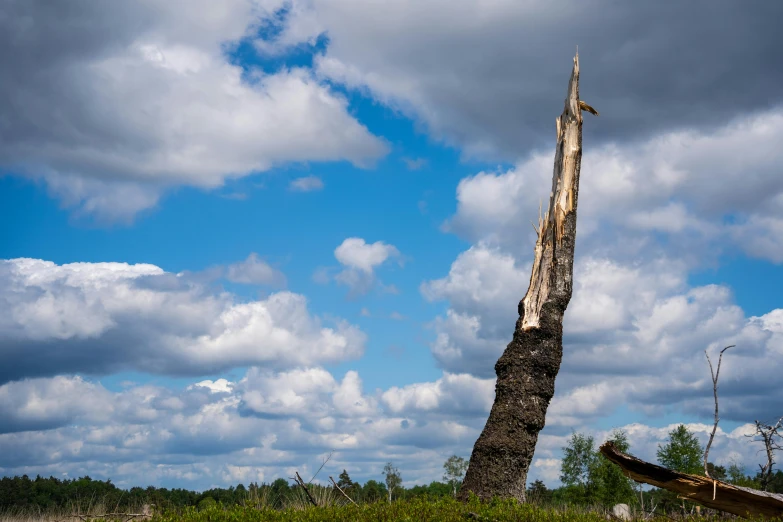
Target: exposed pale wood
{"points": [[341, 491], [562, 200], [712, 493]]}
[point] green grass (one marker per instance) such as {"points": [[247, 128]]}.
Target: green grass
{"points": [[337, 509], [414, 510]]}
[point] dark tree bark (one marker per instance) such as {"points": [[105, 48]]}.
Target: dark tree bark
{"points": [[527, 369]]}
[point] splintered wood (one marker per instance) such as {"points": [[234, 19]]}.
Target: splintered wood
{"points": [[561, 201], [715, 494]]}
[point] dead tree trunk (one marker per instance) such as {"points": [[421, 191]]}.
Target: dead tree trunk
{"points": [[527, 369]]}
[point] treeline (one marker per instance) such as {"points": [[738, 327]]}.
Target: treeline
{"points": [[84, 494]]}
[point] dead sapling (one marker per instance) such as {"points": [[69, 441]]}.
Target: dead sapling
{"points": [[768, 433], [296, 478], [302, 485], [714, 375]]}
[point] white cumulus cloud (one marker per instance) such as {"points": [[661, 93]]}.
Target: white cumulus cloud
{"points": [[62, 318], [360, 259], [147, 98]]}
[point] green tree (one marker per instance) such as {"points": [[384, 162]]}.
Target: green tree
{"points": [[280, 491], [455, 471], [392, 478], [373, 491], [538, 492], [775, 484], [716, 471], [434, 489], [206, 503], [682, 452], [347, 485], [344, 481], [735, 474], [578, 467], [438, 489], [610, 485]]}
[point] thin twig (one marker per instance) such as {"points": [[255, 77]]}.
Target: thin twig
{"points": [[341, 491], [715, 393], [652, 511], [322, 466]]}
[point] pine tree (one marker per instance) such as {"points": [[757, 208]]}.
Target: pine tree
{"points": [[538, 492], [344, 481]]}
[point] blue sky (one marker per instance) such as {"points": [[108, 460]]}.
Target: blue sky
{"points": [[236, 240]]}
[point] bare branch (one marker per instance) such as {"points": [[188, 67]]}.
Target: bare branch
{"points": [[301, 483], [586, 107], [715, 393], [768, 432], [341, 491]]}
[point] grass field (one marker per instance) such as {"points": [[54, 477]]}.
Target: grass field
{"points": [[414, 510]]}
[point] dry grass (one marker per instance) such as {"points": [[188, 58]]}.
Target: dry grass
{"points": [[94, 511]]}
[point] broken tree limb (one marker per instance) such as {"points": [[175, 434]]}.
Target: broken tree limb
{"points": [[341, 491], [301, 483], [114, 516], [527, 369], [585, 107], [712, 493]]}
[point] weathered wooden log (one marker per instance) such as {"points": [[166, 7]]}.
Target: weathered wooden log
{"points": [[527, 369], [711, 493]]}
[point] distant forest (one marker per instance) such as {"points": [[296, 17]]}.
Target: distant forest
{"points": [[84, 494]]}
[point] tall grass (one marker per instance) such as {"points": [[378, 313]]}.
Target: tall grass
{"points": [[78, 510]]}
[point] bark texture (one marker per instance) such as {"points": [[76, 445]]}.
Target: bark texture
{"points": [[714, 494], [527, 369]]}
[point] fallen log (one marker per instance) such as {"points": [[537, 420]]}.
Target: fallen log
{"points": [[711, 493]]}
